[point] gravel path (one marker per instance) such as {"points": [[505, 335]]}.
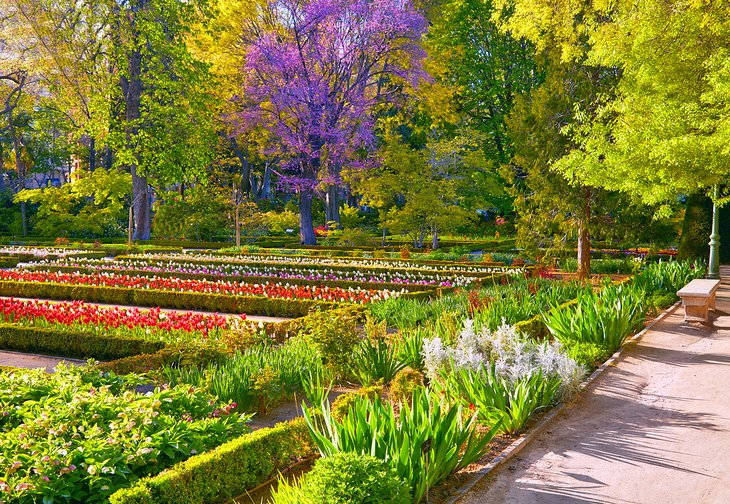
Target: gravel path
{"points": [[33, 361], [655, 428]]}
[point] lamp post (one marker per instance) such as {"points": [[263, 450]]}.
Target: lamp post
{"points": [[714, 266]]}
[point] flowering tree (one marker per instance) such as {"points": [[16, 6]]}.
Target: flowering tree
{"points": [[314, 71]]}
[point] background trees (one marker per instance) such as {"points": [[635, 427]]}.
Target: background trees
{"points": [[567, 118], [315, 69]]}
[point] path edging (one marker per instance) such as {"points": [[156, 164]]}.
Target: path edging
{"points": [[518, 444]]}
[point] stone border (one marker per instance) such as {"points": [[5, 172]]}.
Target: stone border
{"points": [[516, 446]]}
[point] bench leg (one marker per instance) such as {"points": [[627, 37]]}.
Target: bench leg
{"points": [[712, 301], [696, 313]]}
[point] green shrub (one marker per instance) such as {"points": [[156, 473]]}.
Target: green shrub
{"points": [[405, 383], [226, 472], [164, 299], [177, 356], [342, 404], [345, 478], [588, 354], [335, 335]]}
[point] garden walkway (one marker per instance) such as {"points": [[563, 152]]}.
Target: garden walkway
{"points": [[654, 428], [33, 361]]}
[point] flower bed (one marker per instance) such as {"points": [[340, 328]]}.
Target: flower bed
{"points": [[80, 436], [291, 275], [203, 301], [267, 290], [336, 264], [131, 321]]}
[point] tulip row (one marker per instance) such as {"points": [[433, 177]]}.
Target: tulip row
{"points": [[335, 263], [80, 315], [266, 290], [263, 272]]}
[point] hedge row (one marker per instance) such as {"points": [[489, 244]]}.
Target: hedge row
{"points": [[9, 262], [50, 341], [174, 356], [344, 284], [164, 299], [225, 472]]}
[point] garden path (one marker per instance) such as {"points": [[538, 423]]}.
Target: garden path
{"points": [[653, 428], [251, 318], [33, 361]]}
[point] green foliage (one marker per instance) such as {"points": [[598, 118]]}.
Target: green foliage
{"points": [[226, 472], [344, 402], [334, 334], [374, 361], [92, 206], [408, 345], [62, 341], [668, 277], [503, 405], [405, 383], [424, 443], [279, 222], [345, 478], [92, 436], [696, 228], [202, 214], [256, 378], [605, 319], [587, 353]]}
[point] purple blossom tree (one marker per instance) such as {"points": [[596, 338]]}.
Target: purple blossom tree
{"points": [[314, 72]]}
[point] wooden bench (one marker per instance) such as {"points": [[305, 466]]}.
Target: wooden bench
{"points": [[698, 298]]}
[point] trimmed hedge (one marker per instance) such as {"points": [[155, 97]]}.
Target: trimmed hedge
{"points": [[46, 340], [225, 472], [176, 356], [164, 299]]}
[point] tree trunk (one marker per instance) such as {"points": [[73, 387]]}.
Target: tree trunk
{"points": [[385, 232], [421, 236], [435, 234], [332, 205], [141, 206], [306, 224], [20, 168], [584, 239], [266, 183], [245, 167], [92, 154], [238, 224], [131, 84]]}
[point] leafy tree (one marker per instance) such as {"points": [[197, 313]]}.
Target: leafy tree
{"points": [[484, 67], [164, 129], [416, 190], [314, 71], [663, 132], [90, 207]]}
